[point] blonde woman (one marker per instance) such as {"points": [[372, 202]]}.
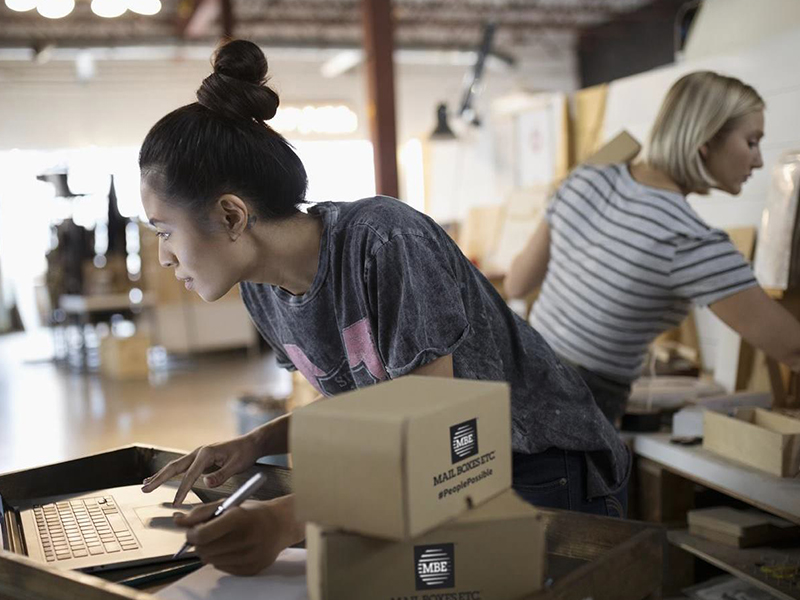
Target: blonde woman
{"points": [[621, 255]]}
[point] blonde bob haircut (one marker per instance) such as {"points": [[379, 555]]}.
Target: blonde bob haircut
{"points": [[700, 107]]}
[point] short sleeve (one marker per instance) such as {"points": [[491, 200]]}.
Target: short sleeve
{"points": [[709, 268], [415, 303]]}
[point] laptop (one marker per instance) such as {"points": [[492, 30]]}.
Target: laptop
{"points": [[106, 529]]}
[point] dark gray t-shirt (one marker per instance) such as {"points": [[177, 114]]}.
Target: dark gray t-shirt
{"points": [[394, 292]]}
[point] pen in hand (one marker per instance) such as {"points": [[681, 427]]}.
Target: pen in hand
{"points": [[235, 499]]}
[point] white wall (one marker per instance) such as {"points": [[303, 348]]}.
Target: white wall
{"points": [[727, 26], [771, 67], [46, 106]]}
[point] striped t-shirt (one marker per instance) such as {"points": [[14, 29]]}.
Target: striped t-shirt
{"points": [[626, 263]]}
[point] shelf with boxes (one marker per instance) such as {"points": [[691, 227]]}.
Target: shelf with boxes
{"points": [[733, 446]]}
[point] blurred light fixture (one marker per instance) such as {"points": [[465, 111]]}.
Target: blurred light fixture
{"points": [[85, 67], [442, 131], [109, 8], [145, 7], [21, 5], [55, 9]]}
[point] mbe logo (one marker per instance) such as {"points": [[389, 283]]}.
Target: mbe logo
{"points": [[464, 440], [435, 566]]}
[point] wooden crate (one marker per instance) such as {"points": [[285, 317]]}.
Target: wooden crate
{"points": [[124, 358], [756, 437], [588, 556]]}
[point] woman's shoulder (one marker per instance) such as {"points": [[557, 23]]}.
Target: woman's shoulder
{"points": [[382, 217], [608, 173], [592, 182], [666, 211]]}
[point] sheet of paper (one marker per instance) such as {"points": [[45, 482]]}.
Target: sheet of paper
{"points": [[284, 580]]}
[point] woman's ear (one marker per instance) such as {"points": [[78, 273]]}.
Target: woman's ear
{"points": [[235, 215], [704, 151]]}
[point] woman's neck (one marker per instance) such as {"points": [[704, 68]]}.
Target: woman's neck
{"points": [[286, 252], [652, 177]]}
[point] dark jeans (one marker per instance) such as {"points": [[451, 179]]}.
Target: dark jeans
{"points": [[557, 479], [610, 395]]}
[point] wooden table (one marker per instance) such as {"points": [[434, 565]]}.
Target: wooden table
{"points": [[776, 570]]}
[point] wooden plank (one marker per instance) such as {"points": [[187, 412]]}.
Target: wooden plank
{"points": [[587, 537], [378, 49], [123, 466], [774, 570], [780, 496], [24, 579], [662, 496], [731, 521], [590, 105], [631, 571]]}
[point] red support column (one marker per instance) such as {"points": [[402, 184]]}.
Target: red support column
{"points": [[378, 49]]}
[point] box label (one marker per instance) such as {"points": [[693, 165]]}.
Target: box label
{"points": [[464, 440], [434, 566]]}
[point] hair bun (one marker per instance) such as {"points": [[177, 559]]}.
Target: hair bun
{"points": [[238, 86]]}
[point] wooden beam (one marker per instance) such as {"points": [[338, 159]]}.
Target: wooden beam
{"points": [[378, 48], [228, 19], [198, 19]]}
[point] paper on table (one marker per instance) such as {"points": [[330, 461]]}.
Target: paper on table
{"points": [[284, 580]]}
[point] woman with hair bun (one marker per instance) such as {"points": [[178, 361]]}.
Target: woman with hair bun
{"points": [[621, 255], [350, 294]]}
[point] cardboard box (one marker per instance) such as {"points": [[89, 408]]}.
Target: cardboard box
{"points": [[396, 459], [495, 551], [756, 437], [124, 358], [623, 148]]}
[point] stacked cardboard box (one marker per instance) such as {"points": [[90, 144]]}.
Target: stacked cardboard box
{"points": [[406, 486]]}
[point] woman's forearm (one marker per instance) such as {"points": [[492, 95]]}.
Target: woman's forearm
{"points": [[273, 437]]}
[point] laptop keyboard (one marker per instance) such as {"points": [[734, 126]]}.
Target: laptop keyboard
{"points": [[81, 528]]}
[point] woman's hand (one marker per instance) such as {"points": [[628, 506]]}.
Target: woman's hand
{"points": [[246, 539], [220, 461]]}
